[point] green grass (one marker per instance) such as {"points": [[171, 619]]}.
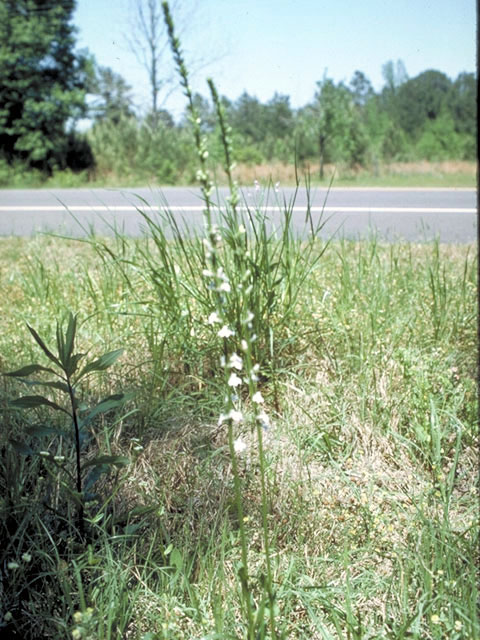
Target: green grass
{"points": [[290, 430], [412, 180], [422, 174], [368, 368]]}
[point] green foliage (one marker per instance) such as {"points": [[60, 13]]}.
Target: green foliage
{"points": [[131, 148], [420, 100], [114, 100], [440, 141], [461, 103], [42, 82], [65, 367]]}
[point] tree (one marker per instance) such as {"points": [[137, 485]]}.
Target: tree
{"points": [[421, 99], [439, 140], [394, 77], [248, 117], [462, 103], [361, 89], [148, 41], [42, 82], [331, 108], [206, 113], [114, 100], [279, 116]]}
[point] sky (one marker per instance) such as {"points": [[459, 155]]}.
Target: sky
{"points": [[287, 46]]}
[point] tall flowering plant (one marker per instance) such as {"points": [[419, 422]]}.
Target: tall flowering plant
{"points": [[229, 280]]}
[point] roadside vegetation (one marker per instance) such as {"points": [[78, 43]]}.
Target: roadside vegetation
{"points": [[368, 375], [364, 134], [244, 433]]}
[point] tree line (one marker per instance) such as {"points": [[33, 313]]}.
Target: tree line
{"points": [[47, 86]]}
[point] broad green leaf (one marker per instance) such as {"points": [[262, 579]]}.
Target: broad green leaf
{"points": [[116, 461], [44, 347], [61, 346], [22, 448], [30, 402], [176, 559], [28, 370], [73, 363], [94, 475], [70, 335], [102, 363], [105, 405], [40, 430], [49, 383]]}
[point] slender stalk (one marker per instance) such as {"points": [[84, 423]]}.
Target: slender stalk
{"points": [[200, 142], [81, 524], [243, 574], [226, 133], [266, 541]]}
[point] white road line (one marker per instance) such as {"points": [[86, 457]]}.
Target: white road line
{"points": [[197, 208]]}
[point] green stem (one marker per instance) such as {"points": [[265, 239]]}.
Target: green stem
{"points": [[244, 575], [266, 541], [81, 523]]}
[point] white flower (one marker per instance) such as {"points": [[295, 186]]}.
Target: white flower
{"points": [[13, 565], [239, 445], [225, 286], [236, 362], [26, 557], [254, 372], [235, 416], [234, 380], [244, 345], [225, 332], [249, 317], [241, 229], [277, 184], [263, 419], [207, 273], [257, 398], [44, 454], [223, 417], [256, 185], [213, 318], [59, 459]]}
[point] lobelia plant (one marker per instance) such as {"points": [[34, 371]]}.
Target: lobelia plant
{"points": [[68, 374]]}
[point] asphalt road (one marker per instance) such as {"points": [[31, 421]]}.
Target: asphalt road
{"points": [[411, 214]]}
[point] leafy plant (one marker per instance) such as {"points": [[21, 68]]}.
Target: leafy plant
{"points": [[67, 374]]}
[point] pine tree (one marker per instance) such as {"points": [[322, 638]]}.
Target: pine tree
{"points": [[42, 82]]}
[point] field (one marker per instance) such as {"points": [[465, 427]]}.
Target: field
{"points": [[451, 174], [295, 454]]}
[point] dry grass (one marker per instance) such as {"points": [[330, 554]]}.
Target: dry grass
{"points": [[423, 173]]}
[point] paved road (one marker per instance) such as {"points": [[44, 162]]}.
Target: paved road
{"points": [[410, 214]]}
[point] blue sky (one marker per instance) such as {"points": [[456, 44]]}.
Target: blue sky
{"points": [[263, 46]]}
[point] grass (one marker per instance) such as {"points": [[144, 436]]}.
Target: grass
{"points": [[370, 458], [286, 446], [451, 174]]}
